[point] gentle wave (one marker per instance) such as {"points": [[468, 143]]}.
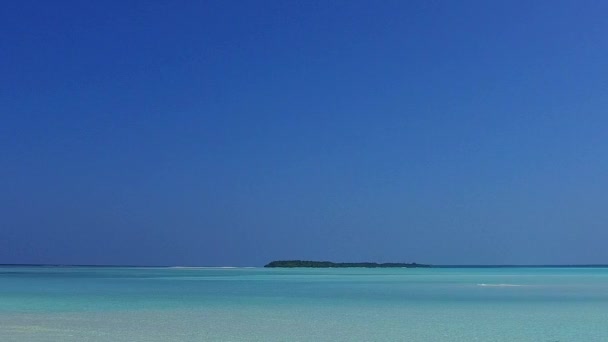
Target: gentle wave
{"points": [[205, 267], [499, 285]]}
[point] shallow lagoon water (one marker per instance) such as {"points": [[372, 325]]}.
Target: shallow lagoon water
{"points": [[238, 304]]}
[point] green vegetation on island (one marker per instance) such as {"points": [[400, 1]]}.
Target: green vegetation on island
{"points": [[329, 264]]}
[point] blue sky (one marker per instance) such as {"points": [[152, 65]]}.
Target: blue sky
{"points": [[238, 132]]}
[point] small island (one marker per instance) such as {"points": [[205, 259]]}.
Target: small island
{"points": [[329, 264]]}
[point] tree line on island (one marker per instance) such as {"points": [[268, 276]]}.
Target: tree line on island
{"points": [[329, 264]]}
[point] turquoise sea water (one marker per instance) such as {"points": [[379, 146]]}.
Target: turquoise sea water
{"points": [[236, 304]]}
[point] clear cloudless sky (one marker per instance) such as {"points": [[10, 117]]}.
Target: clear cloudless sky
{"points": [[238, 132]]}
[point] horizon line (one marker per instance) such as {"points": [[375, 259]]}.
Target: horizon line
{"points": [[228, 266]]}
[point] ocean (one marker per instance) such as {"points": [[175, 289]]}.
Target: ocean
{"points": [[257, 304]]}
